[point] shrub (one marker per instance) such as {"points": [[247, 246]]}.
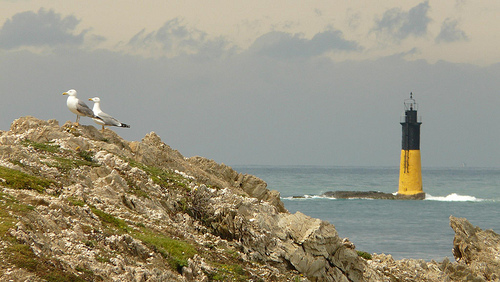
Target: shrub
{"points": [[364, 255]]}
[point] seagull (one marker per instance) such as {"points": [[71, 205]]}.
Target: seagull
{"points": [[77, 106], [103, 118]]}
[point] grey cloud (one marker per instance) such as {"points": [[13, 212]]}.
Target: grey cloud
{"points": [[249, 109], [175, 37], [286, 45], [399, 24], [39, 29], [450, 32]]}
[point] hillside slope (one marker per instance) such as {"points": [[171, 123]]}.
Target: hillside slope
{"points": [[92, 206]]}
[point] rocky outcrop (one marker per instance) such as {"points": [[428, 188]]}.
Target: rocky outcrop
{"points": [[475, 249], [89, 205]]}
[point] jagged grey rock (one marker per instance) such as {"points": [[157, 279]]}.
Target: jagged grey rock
{"points": [[237, 212], [478, 249]]}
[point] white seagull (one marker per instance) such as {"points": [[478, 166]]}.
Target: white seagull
{"points": [[77, 106], [103, 118]]}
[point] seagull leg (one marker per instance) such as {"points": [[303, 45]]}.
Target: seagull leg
{"points": [[77, 120], [103, 129]]}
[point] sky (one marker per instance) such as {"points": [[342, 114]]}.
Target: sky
{"points": [[265, 82]]}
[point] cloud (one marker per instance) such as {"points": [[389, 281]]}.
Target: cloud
{"points": [[175, 38], [399, 24], [44, 28], [450, 32], [285, 45], [249, 109]]}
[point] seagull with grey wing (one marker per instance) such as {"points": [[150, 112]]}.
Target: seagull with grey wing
{"points": [[78, 107], [103, 118]]}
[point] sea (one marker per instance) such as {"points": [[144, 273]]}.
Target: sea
{"points": [[417, 229]]}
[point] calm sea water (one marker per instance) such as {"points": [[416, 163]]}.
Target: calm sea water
{"points": [[404, 229]]}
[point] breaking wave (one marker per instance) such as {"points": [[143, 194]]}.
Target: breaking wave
{"points": [[453, 197], [306, 197]]}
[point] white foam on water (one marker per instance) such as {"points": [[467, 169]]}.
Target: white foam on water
{"points": [[453, 197], [307, 197]]}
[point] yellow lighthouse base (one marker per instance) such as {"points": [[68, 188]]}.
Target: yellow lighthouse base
{"points": [[410, 175]]}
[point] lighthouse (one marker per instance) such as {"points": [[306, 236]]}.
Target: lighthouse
{"points": [[410, 172]]}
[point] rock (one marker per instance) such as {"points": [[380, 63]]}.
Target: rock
{"points": [[116, 208], [476, 249], [359, 195]]}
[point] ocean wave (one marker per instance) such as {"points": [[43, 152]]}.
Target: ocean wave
{"points": [[317, 197], [306, 197], [453, 197]]}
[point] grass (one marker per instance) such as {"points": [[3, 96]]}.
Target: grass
{"points": [[133, 189], [87, 156], [103, 258], [22, 256], [229, 272], [48, 269], [177, 252], [75, 201], [66, 164], [162, 177], [111, 221], [19, 180], [47, 147], [8, 207], [17, 162], [82, 158]]}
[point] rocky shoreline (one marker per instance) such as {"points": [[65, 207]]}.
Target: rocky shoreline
{"points": [[77, 204]]}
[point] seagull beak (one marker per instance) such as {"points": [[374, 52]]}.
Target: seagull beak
{"points": [[90, 99], [65, 93]]}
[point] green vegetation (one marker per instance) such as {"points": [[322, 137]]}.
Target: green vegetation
{"points": [[364, 255], [75, 201], [16, 162], [103, 258], [133, 189], [47, 147], [87, 156], [46, 268], [176, 252], [229, 272], [19, 180], [162, 177], [8, 207], [22, 256], [66, 164], [111, 221], [81, 158]]}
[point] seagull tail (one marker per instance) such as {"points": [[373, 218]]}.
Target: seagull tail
{"points": [[125, 125]]}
